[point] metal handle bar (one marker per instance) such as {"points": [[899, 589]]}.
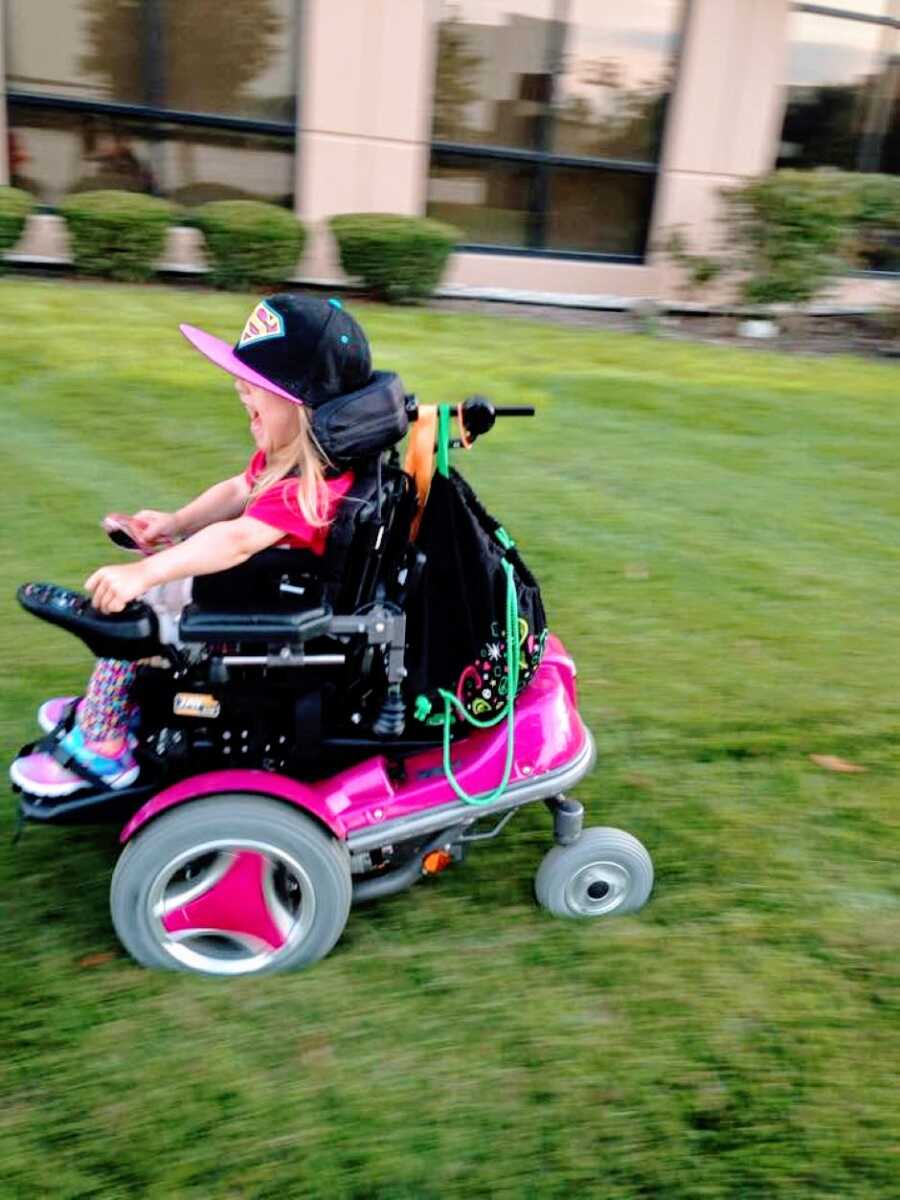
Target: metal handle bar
{"points": [[476, 415]]}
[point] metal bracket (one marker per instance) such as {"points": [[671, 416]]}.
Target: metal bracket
{"points": [[380, 627]]}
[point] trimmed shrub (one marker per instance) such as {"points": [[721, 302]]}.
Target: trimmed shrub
{"points": [[15, 205], [790, 230], [120, 235], [249, 242], [788, 234], [399, 258]]}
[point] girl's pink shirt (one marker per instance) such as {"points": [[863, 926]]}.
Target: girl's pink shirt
{"points": [[277, 506]]}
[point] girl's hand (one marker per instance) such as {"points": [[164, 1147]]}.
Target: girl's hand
{"points": [[111, 588], [156, 526]]}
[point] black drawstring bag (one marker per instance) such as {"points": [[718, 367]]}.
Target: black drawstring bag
{"points": [[457, 626]]}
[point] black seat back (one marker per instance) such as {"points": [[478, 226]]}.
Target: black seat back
{"points": [[369, 535], [366, 543]]}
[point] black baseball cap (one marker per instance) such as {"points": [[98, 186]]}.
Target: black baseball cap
{"points": [[302, 348]]}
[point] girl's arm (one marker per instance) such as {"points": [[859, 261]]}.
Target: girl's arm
{"points": [[221, 502], [216, 548]]}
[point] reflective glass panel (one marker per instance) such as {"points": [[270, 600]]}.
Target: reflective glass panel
{"points": [[58, 152], [617, 72], [492, 75], [488, 200], [56, 49], [236, 59], [603, 212], [842, 95], [192, 55]]}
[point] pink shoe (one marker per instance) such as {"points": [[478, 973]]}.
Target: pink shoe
{"points": [[40, 774], [53, 711]]}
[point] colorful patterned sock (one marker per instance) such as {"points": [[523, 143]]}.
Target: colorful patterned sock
{"points": [[104, 712]]}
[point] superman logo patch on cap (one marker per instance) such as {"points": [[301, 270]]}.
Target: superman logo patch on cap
{"points": [[263, 322]]}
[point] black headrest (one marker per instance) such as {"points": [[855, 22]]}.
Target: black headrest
{"points": [[363, 423]]}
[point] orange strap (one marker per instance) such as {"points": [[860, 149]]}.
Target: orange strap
{"points": [[420, 458]]}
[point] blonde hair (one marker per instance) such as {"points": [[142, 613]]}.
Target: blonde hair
{"points": [[302, 456]]}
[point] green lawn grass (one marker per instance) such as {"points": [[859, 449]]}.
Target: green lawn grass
{"points": [[717, 534]]}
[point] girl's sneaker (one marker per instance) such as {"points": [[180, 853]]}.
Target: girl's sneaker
{"points": [[41, 775], [53, 711]]}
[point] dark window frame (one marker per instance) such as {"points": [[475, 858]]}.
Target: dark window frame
{"points": [[826, 10], [158, 115], [543, 161]]}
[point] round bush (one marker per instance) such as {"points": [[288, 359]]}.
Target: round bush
{"points": [[120, 235], [398, 258], [790, 228], [15, 205], [249, 242]]}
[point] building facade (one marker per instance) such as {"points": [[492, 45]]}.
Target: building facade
{"points": [[565, 138]]}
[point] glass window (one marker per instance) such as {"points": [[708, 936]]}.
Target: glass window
{"points": [[552, 81], [616, 76], [492, 83], [490, 200], [191, 55], [604, 212], [230, 58], [842, 95], [58, 152], [50, 50]]}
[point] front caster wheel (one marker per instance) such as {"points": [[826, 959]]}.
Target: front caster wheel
{"points": [[231, 885], [606, 871]]}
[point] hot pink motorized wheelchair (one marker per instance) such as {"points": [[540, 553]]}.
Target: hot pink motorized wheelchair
{"points": [[288, 766]]}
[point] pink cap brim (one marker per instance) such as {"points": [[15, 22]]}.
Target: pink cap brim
{"points": [[223, 356]]}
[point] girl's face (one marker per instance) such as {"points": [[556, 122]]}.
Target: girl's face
{"points": [[273, 420]]}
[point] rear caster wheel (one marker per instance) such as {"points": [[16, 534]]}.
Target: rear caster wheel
{"points": [[231, 885], [606, 871]]}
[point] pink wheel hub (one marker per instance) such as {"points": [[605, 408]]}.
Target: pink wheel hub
{"points": [[230, 908]]}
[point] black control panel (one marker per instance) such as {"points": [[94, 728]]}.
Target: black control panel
{"points": [[129, 634]]}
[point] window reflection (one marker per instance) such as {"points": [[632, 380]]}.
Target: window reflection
{"points": [[601, 212], [489, 200], [61, 152], [61, 64], [616, 77], [492, 83], [842, 105], [193, 55], [551, 79]]}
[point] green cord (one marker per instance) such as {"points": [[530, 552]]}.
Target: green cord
{"points": [[443, 437], [423, 706], [512, 670]]}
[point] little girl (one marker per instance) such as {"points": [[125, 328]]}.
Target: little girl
{"points": [[295, 352]]}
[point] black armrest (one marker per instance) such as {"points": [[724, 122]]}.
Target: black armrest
{"points": [[204, 625]]}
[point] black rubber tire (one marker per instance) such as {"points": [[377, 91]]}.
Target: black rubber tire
{"points": [[608, 862], [255, 819]]}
